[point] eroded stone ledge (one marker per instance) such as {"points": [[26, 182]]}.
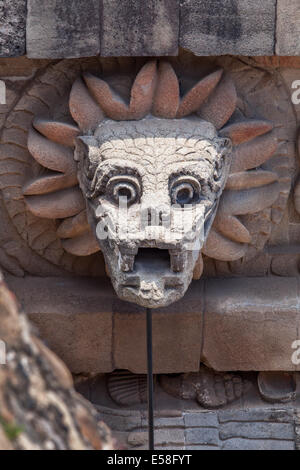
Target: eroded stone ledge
{"points": [[253, 322], [12, 27], [153, 28], [214, 27]]}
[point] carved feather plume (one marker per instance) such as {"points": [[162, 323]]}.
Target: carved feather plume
{"points": [[55, 193]]}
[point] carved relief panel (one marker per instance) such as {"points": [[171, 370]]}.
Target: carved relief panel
{"points": [[162, 135], [155, 173]]}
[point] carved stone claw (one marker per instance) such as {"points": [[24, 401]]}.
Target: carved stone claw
{"points": [[209, 388]]}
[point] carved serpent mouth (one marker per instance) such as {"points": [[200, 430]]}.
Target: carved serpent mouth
{"points": [[152, 259], [156, 274]]}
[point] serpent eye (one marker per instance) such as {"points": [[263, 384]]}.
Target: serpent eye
{"points": [[124, 187], [185, 190]]}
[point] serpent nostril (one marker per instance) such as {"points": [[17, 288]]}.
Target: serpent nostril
{"points": [[154, 217]]}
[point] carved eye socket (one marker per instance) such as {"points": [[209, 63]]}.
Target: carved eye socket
{"points": [[124, 186], [185, 190]]}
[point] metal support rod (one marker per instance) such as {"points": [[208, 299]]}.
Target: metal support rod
{"points": [[150, 380]]}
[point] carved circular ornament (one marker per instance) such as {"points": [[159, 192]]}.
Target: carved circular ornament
{"points": [[68, 100]]}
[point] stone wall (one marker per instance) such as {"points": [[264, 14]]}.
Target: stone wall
{"points": [[261, 428], [85, 324], [74, 28], [73, 314]]}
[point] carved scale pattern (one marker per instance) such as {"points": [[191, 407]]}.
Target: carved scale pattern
{"points": [[48, 95]]}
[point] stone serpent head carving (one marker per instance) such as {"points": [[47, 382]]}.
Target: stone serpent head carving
{"points": [[152, 166]]}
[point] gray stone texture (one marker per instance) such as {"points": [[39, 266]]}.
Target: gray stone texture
{"points": [[257, 444], [254, 323], [135, 28], [258, 414], [257, 430], [218, 27], [167, 437], [250, 429], [202, 436], [63, 29], [206, 419], [91, 330], [74, 319], [176, 334], [12, 27], [288, 27]]}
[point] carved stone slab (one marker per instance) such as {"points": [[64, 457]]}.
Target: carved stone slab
{"points": [[63, 29], [255, 428], [46, 210], [92, 331], [135, 28], [225, 27], [288, 28], [13, 28]]}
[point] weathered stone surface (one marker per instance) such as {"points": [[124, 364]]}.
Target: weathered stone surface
{"points": [[208, 388], [149, 265], [39, 409], [169, 437], [288, 28], [151, 278], [78, 251], [257, 430], [166, 422], [92, 331], [16, 67], [202, 436], [208, 419], [251, 335], [257, 444], [12, 27], [277, 387], [62, 29], [257, 414], [176, 333], [277, 61], [135, 28], [74, 318], [217, 27]]}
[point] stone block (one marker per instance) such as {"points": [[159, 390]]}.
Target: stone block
{"points": [[121, 423], [170, 436], [288, 28], [251, 324], [135, 28], [202, 436], [63, 29], [258, 414], [165, 422], [257, 444], [176, 336], [13, 27], [206, 419], [198, 447], [162, 437], [257, 430], [218, 27], [73, 317]]}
